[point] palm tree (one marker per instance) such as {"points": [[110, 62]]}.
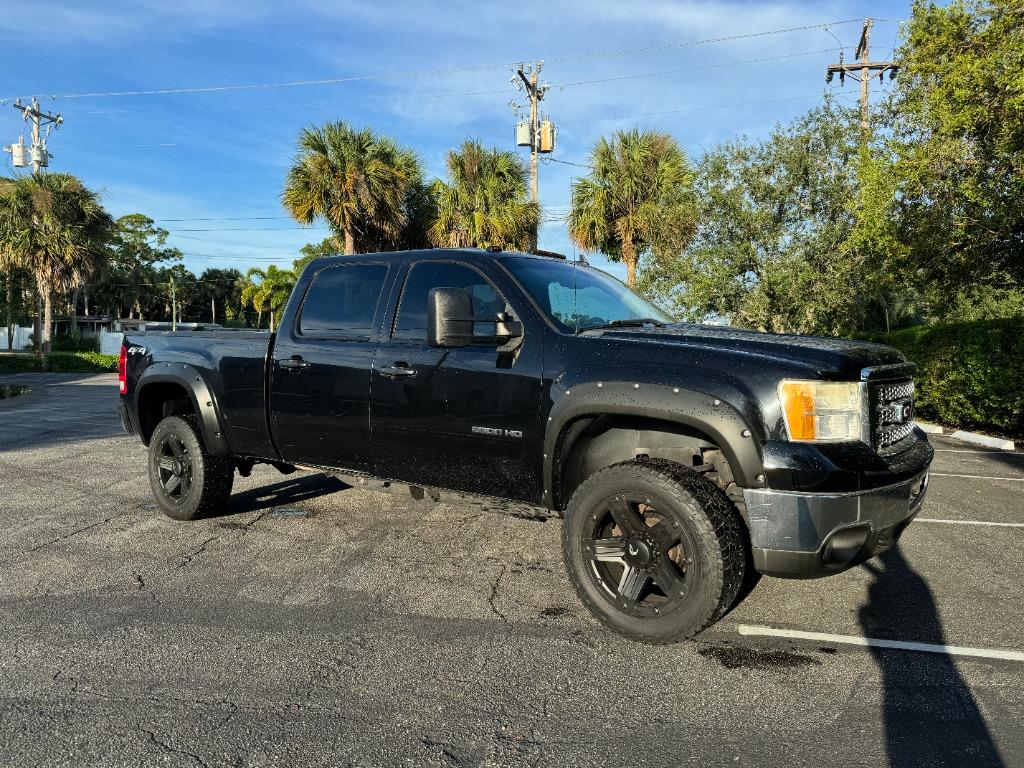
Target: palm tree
{"points": [[267, 290], [358, 181], [485, 204], [54, 227], [635, 198]]}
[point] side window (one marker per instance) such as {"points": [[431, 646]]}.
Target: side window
{"points": [[412, 313], [342, 300]]}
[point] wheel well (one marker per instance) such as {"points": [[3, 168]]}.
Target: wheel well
{"points": [[591, 443], [159, 400]]}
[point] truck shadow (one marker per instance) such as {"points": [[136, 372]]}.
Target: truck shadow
{"points": [[931, 716], [292, 490]]}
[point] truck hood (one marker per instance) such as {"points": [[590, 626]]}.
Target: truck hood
{"points": [[835, 358]]}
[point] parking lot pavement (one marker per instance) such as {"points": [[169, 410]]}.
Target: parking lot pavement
{"points": [[317, 624]]}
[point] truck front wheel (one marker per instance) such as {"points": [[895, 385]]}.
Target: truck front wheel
{"points": [[187, 482], [654, 550]]}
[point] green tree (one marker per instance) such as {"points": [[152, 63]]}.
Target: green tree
{"points": [[957, 144], [360, 183], [216, 290], [636, 199], [267, 290], [329, 246], [485, 203], [780, 244], [132, 280], [53, 226]]}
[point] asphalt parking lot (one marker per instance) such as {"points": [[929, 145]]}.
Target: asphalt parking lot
{"points": [[317, 624]]}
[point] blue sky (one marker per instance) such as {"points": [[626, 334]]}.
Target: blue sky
{"points": [[223, 153]]}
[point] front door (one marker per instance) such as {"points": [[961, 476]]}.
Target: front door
{"points": [[320, 372], [454, 418]]}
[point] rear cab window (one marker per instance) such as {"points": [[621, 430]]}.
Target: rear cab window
{"points": [[341, 302]]}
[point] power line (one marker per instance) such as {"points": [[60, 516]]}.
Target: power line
{"points": [[228, 218], [695, 109], [253, 229], [706, 41], [566, 162], [446, 95], [442, 71], [691, 69], [171, 144]]}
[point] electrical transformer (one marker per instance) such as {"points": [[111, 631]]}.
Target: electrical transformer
{"points": [[523, 134], [548, 131], [18, 159], [40, 156]]}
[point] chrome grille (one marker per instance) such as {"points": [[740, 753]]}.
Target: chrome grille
{"points": [[891, 414]]}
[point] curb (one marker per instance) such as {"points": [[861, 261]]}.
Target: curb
{"points": [[988, 441]]}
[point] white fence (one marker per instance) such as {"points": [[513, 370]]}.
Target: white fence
{"points": [[22, 338], [110, 343]]}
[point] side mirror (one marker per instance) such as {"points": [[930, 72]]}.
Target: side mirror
{"points": [[449, 318]]}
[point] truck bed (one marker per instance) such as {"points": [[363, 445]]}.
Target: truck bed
{"points": [[233, 363]]}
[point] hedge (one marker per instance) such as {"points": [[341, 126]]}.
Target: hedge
{"points": [[970, 375], [63, 362]]}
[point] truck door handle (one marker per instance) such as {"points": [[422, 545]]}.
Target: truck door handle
{"points": [[293, 363], [398, 369]]}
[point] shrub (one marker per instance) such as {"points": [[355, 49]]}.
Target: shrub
{"points": [[18, 363], [61, 362], [82, 362], [970, 375], [75, 342]]}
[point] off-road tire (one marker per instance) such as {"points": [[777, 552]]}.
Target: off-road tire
{"points": [[711, 522], [211, 477], [720, 473]]}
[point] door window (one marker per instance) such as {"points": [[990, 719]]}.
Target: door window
{"points": [[342, 300], [411, 323]]}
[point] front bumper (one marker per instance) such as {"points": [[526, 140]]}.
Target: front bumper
{"points": [[809, 535]]}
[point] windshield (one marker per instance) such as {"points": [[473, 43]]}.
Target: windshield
{"points": [[578, 298]]}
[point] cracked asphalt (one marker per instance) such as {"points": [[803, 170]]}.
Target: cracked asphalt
{"points": [[319, 624]]}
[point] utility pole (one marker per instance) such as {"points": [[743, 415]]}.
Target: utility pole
{"points": [[538, 135], [862, 71], [40, 157], [174, 306]]}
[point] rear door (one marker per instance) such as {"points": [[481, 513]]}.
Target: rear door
{"points": [[320, 372], [454, 418]]}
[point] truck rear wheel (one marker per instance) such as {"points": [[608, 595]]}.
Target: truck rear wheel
{"points": [[187, 482], [654, 550]]}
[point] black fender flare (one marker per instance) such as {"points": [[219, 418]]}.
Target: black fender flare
{"points": [[711, 415], [204, 402]]}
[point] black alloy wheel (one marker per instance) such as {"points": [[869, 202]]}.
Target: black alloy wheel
{"points": [[175, 467], [638, 556]]}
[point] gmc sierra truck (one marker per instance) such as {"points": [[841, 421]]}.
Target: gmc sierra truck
{"points": [[685, 459]]}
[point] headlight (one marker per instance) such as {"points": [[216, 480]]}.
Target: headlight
{"points": [[822, 411]]}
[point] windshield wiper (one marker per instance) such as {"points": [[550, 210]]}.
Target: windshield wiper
{"points": [[633, 322]]}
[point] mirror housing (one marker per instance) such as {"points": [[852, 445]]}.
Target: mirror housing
{"points": [[449, 318], [450, 322]]}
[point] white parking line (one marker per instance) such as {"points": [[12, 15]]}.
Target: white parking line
{"points": [[967, 522], [903, 645], [970, 450], [978, 477]]}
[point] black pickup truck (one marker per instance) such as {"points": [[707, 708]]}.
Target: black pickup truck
{"points": [[686, 459]]}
